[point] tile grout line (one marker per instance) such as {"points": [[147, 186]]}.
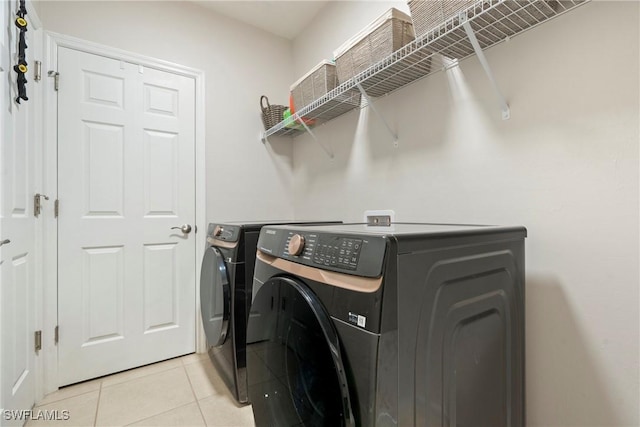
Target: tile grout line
{"points": [[194, 394], [95, 416], [141, 376], [57, 400], [162, 372], [161, 413], [195, 361], [40, 404]]}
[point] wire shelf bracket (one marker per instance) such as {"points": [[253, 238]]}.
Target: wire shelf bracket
{"points": [[504, 107], [315, 138], [393, 134]]}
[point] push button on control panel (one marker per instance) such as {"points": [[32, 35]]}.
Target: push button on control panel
{"points": [[341, 253]]}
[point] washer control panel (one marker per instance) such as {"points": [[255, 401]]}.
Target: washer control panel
{"points": [[338, 251], [353, 254]]}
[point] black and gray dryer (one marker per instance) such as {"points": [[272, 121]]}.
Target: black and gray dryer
{"points": [[406, 325]]}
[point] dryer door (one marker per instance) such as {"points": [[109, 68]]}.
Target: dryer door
{"points": [[296, 375], [214, 297]]}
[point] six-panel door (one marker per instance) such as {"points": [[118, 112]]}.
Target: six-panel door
{"points": [[126, 164]]}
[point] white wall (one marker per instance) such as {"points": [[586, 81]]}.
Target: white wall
{"points": [[565, 166], [240, 64]]}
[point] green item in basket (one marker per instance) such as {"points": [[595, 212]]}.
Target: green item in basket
{"points": [[288, 120]]}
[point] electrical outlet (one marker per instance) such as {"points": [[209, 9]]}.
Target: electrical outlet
{"points": [[379, 217]]}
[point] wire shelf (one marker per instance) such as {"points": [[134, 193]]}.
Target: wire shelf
{"points": [[493, 21]]}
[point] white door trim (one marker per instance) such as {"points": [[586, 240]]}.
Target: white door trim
{"points": [[53, 42]]}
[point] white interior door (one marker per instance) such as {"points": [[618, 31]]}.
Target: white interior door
{"points": [[126, 176], [17, 224]]}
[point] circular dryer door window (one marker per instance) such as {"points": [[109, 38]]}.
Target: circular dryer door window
{"points": [[214, 297], [296, 375]]}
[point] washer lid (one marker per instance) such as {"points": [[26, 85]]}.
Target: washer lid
{"points": [[215, 297]]}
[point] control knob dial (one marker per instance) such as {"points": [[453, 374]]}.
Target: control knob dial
{"points": [[296, 244]]}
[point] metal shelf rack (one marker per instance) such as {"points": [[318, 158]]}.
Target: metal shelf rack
{"points": [[482, 25]]}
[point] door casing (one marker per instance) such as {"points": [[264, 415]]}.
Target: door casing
{"points": [[50, 174]]}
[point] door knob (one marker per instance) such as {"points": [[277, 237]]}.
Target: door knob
{"points": [[5, 242], [186, 229]]}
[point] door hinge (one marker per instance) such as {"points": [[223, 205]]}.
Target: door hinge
{"points": [[37, 71], [56, 78], [37, 204], [56, 208], [38, 339], [56, 335]]}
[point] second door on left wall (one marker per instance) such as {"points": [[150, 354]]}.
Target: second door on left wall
{"points": [[19, 368], [126, 183]]}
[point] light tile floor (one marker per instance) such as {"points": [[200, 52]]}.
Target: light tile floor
{"points": [[185, 391]]}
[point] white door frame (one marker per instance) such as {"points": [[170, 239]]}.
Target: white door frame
{"points": [[37, 89], [50, 248]]}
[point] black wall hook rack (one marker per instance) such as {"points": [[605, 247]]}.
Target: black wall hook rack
{"points": [[21, 67]]}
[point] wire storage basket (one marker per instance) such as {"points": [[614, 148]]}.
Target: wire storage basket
{"points": [[374, 43], [271, 114]]}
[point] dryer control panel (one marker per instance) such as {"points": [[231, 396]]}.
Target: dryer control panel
{"points": [[354, 254], [228, 233]]}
